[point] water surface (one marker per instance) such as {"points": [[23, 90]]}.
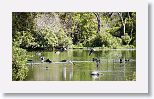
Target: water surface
{"points": [[109, 69]]}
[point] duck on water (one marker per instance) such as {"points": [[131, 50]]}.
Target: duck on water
{"points": [[45, 60]]}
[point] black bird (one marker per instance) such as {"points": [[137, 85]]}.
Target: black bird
{"points": [[97, 61], [63, 61], [29, 60], [94, 59], [126, 60], [91, 51], [63, 49], [48, 60]]}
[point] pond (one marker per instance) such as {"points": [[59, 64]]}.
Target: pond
{"points": [[114, 65]]}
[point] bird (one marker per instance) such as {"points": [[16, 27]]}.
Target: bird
{"points": [[60, 50], [57, 52], [42, 59], [68, 61], [94, 59], [120, 60], [126, 60], [48, 60], [95, 73], [97, 61], [63, 49], [91, 51], [29, 60], [63, 61]]}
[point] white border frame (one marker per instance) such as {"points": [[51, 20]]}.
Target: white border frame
{"points": [[138, 86]]}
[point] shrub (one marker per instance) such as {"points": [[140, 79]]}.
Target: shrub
{"points": [[19, 59], [126, 39], [24, 39], [46, 38]]}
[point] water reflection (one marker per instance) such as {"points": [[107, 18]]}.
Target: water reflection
{"points": [[105, 66]]}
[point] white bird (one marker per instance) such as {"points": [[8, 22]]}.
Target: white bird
{"points": [[95, 73], [42, 59], [57, 52]]}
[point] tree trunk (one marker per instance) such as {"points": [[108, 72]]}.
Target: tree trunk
{"points": [[132, 25], [123, 22], [98, 21]]}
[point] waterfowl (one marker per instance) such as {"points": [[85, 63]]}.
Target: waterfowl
{"points": [[126, 60], [97, 61], [91, 51], [95, 73], [120, 60], [48, 60], [63, 61], [42, 59], [29, 60], [63, 49], [95, 77], [67, 61], [57, 52], [94, 59]]}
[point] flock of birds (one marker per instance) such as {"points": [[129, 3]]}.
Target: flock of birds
{"points": [[96, 60]]}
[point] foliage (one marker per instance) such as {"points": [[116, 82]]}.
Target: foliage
{"points": [[22, 21], [126, 39], [45, 38], [24, 39], [19, 59], [63, 39]]}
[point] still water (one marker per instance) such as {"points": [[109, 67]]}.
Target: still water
{"points": [[115, 65]]}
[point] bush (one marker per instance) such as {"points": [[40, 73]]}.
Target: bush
{"points": [[19, 68], [63, 39], [46, 38], [24, 39], [126, 39]]}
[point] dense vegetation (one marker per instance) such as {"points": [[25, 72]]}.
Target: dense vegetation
{"points": [[49, 31]]}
